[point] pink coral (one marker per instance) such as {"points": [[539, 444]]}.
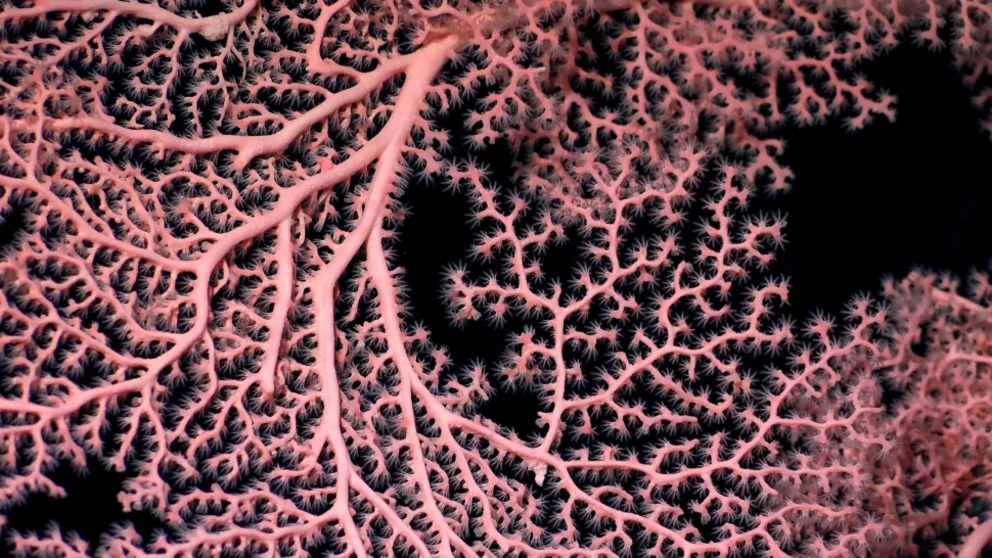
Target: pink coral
{"points": [[936, 361], [204, 293]]}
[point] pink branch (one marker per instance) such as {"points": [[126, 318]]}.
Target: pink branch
{"points": [[249, 147], [211, 28], [976, 541]]}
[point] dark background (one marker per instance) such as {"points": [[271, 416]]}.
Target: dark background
{"points": [[865, 204], [882, 200]]}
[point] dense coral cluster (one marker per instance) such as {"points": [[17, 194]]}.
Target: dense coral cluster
{"points": [[934, 486], [202, 290]]}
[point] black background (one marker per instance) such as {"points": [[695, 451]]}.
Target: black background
{"points": [[864, 204]]}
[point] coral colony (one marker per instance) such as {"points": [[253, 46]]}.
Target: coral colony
{"points": [[201, 290]]}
